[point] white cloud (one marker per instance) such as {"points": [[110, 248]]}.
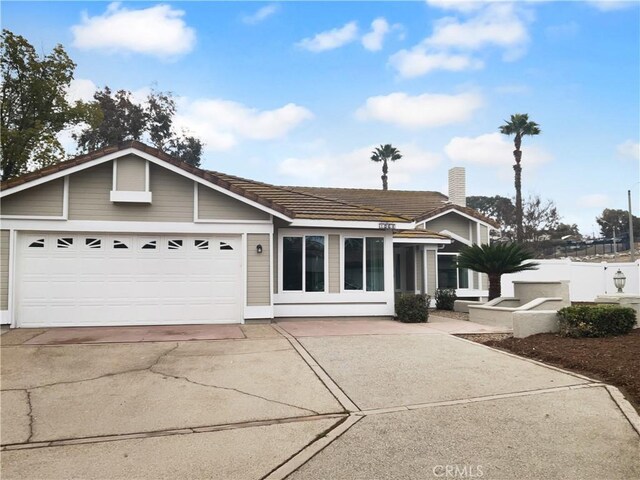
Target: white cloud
{"points": [[629, 149], [493, 149], [417, 62], [355, 169], [496, 25], [330, 39], [457, 5], [261, 14], [454, 41], [81, 89], [221, 124], [159, 31], [612, 5], [373, 40], [594, 200], [426, 110]]}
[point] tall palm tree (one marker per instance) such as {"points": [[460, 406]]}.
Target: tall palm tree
{"points": [[495, 260], [385, 153], [519, 126]]}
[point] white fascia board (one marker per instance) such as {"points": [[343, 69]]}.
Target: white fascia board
{"points": [[150, 158], [422, 241], [135, 227], [469, 217], [368, 225], [65, 172], [456, 237]]}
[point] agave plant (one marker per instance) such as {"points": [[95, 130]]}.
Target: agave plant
{"points": [[495, 260]]}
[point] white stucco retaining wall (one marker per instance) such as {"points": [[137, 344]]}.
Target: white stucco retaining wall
{"points": [[586, 280]]}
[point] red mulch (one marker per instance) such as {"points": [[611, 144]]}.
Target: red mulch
{"points": [[614, 360]]}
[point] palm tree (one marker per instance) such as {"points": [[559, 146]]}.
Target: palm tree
{"points": [[495, 260], [519, 125], [385, 153]]}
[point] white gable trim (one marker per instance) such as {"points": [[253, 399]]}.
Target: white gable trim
{"points": [[150, 158], [469, 217], [456, 237]]}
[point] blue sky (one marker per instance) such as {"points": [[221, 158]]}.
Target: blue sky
{"points": [[299, 93]]}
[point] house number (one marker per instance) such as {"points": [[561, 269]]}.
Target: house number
{"points": [[386, 226]]}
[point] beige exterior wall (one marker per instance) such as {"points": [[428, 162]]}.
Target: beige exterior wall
{"points": [[334, 263], [4, 269], [258, 271], [452, 222], [213, 205], [42, 200], [89, 197], [431, 272], [131, 174], [484, 235]]}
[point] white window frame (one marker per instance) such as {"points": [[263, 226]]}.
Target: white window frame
{"points": [[469, 275], [304, 261], [343, 269]]}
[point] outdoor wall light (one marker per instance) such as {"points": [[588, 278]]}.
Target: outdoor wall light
{"points": [[619, 280], [258, 249]]}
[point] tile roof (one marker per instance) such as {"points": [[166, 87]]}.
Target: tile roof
{"points": [[420, 234], [313, 203]]}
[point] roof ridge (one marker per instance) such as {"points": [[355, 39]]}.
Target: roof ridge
{"points": [[365, 189]]}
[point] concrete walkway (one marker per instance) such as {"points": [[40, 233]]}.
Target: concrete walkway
{"points": [[306, 400]]}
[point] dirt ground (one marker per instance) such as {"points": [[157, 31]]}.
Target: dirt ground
{"points": [[614, 360]]}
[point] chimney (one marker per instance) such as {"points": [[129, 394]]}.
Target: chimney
{"points": [[457, 186]]}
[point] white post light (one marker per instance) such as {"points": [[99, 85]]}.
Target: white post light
{"points": [[619, 280]]}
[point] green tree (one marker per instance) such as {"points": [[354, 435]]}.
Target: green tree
{"points": [[121, 118], [565, 229], [620, 220], [495, 260], [34, 108], [519, 126], [385, 153]]}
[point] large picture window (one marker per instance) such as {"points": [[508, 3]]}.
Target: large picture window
{"points": [[364, 264], [449, 276], [303, 262]]}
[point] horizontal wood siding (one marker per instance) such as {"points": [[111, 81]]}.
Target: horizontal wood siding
{"points": [[431, 272], [334, 263], [42, 200], [131, 174], [258, 271], [213, 205], [453, 223], [89, 197], [484, 235], [4, 269]]}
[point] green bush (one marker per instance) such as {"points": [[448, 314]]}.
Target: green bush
{"points": [[412, 308], [445, 298], [596, 321]]}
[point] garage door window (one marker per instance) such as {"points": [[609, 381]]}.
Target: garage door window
{"points": [[117, 244], [37, 244], [93, 242], [303, 260]]}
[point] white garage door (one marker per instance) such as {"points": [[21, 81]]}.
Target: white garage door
{"points": [[71, 279]]}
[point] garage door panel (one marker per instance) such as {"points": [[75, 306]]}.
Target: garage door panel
{"points": [[84, 279]]}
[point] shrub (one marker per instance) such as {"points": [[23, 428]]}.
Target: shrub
{"points": [[445, 298], [412, 308], [596, 321]]}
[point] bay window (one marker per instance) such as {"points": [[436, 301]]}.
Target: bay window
{"points": [[303, 262], [364, 264]]}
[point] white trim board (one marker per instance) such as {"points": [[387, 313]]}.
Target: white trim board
{"points": [[469, 217]]}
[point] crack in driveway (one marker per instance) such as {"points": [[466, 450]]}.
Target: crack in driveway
{"points": [[187, 379]]}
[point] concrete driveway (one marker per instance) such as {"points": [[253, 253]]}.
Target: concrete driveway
{"points": [[266, 404]]}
